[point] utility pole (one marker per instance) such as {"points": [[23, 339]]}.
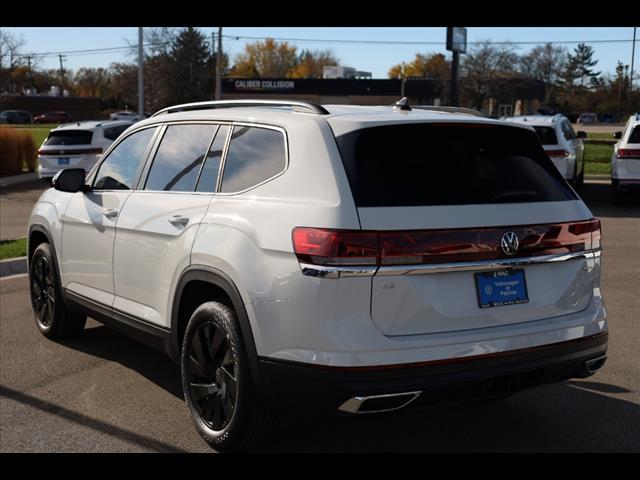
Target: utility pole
{"points": [[61, 74], [140, 75], [219, 66], [633, 54]]}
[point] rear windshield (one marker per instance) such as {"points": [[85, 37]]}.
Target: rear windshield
{"points": [[447, 164], [69, 137], [547, 135], [635, 135]]}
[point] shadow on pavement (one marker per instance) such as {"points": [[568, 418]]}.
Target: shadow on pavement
{"points": [[575, 416], [597, 196], [86, 421], [102, 342], [551, 418]]}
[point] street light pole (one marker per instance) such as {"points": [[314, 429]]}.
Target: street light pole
{"points": [[455, 61], [140, 75]]}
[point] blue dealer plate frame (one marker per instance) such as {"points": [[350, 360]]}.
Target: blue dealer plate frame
{"points": [[501, 287]]}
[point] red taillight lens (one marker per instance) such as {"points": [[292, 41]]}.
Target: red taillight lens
{"points": [[335, 247], [327, 247], [628, 153], [557, 153], [586, 233]]}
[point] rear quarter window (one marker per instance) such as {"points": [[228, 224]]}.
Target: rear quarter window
{"points": [[448, 164], [254, 155]]}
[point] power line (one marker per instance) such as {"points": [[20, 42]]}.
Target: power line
{"points": [[316, 40], [402, 42]]}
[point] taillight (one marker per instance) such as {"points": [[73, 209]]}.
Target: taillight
{"points": [[328, 247], [628, 153], [557, 153], [335, 247]]}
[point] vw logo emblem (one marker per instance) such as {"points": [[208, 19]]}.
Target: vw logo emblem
{"points": [[509, 243]]}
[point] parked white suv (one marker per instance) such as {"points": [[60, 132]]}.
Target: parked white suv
{"points": [[563, 146], [77, 145], [330, 259], [625, 160]]}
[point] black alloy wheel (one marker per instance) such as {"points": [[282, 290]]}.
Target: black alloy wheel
{"points": [[211, 376], [53, 317], [43, 294]]}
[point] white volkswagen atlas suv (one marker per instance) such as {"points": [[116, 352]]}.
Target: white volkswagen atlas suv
{"points": [[325, 259], [561, 143], [625, 160], [77, 145]]}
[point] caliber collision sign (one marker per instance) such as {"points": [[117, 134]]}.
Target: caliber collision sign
{"points": [[457, 39]]}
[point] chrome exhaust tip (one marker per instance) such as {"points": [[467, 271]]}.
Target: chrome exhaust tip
{"points": [[379, 403], [593, 365]]}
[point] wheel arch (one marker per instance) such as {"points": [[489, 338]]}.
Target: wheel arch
{"points": [[199, 275]]}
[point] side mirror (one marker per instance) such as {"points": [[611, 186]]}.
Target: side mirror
{"points": [[581, 134], [617, 135], [70, 180]]}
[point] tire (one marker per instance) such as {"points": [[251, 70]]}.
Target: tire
{"points": [[617, 196], [579, 180], [217, 382], [53, 318]]}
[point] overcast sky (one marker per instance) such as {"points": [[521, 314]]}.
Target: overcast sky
{"points": [[376, 58]]}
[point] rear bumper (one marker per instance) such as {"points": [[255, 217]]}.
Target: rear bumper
{"points": [[298, 386]]}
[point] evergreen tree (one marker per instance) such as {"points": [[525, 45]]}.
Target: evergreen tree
{"points": [[191, 67], [583, 60]]}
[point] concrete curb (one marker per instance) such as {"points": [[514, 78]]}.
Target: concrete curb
{"points": [[13, 266], [18, 179]]}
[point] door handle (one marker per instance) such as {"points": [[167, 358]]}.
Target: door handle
{"points": [[178, 220], [110, 213]]}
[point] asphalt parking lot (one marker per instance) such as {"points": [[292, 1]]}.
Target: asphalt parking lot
{"points": [[105, 393]]}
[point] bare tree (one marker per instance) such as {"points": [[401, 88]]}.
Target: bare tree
{"points": [[483, 64], [544, 62]]}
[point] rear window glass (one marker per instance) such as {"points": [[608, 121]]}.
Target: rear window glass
{"points": [[69, 137], [445, 164], [635, 135], [547, 135], [112, 133]]}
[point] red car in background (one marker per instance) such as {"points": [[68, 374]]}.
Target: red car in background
{"points": [[53, 117]]}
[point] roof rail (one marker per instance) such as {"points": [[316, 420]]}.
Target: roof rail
{"points": [[468, 111], [313, 107]]}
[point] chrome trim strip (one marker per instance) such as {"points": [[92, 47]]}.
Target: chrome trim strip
{"points": [[485, 264], [337, 272], [353, 405]]}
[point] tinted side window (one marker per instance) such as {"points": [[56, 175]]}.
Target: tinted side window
{"points": [[119, 169], [177, 162], [635, 135], [209, 175], [255, 155], [567, 131], [114, 132]]}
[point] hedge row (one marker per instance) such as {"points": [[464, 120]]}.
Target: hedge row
{"points": [[17, 151]]}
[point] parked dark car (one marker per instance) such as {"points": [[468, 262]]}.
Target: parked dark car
{"points": [[53, 117], [15, 116]]}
